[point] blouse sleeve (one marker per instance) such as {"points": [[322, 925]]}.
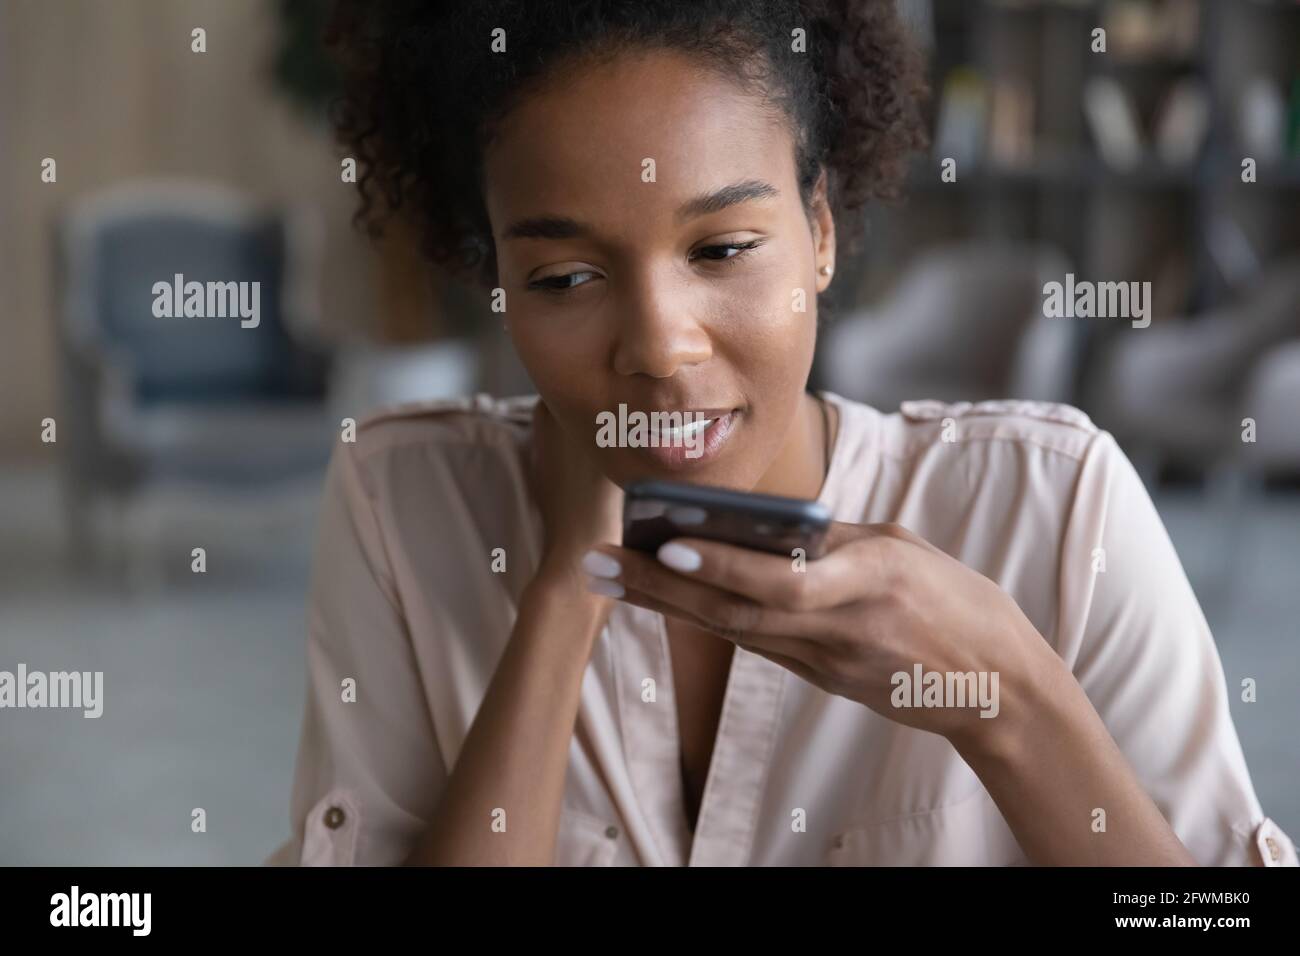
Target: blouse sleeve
{"points": [[368, 771], [1139, 645]]}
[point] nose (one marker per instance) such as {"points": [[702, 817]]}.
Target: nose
{"points": [[658, 331]]}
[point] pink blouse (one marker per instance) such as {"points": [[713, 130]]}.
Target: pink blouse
{"points": [[405, 603]]}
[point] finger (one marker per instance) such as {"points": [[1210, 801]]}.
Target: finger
{"points": [[719, 610], [788, 648], [841, 533], [787, 583], [895, 531]]}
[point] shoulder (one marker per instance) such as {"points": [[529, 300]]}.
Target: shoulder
{"points": [[474, 419], [429, 434], [919, 425], [1004, 467]]}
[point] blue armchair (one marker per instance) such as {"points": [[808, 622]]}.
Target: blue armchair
{"points": [[206, 399]]}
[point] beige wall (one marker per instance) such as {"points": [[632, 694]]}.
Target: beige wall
{"points": [[111, 90]]}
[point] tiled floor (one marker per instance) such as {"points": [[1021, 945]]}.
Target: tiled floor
{"points": [[204, 677]]}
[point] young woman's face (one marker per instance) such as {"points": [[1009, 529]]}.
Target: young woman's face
{"points": [[655, 254]]}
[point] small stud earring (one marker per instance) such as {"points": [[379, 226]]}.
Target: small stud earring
{"points": [[826, 270]]}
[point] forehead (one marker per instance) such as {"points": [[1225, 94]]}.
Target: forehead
{"points": [[577, 146]]}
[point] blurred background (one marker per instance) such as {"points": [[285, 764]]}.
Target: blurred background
{"points": [[129, 155]]}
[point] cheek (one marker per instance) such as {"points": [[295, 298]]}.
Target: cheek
{"points": [[764, 336], [550, 353], [550, 347]]}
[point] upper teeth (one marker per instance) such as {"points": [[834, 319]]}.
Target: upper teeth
{"points": [[690, 428]]}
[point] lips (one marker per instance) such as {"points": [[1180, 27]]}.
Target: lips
{"points": [[693, 444]]}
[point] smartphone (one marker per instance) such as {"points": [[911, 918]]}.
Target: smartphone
{"points": [[657, 511]]}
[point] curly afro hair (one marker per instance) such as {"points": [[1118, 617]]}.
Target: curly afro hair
{"points": [[421, 91]]}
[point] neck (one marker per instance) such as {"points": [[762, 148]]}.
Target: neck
{"points": [[799, 469]]}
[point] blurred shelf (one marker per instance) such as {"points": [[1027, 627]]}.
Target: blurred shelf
{"points": [[1009, 79], [1096, 6], [1283, 175], [1076, 173], [1126, 63], [1041, 6], [1091, 174]]}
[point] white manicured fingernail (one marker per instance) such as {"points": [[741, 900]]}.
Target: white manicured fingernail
{"points": [[600, 565], [679, 557], [605, 588]]}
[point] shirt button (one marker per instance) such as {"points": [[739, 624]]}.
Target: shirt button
{"points": [[611, 832], [839, 842], [1274, 850], [334, 817]]}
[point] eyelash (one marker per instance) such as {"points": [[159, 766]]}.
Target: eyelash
{"points": [[539, 285], [744, 247]]}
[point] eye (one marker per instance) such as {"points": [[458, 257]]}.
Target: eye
{"points": [[725, 252], [563, 282]]}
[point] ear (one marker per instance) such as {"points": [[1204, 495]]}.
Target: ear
{"points": [[823, 231]]}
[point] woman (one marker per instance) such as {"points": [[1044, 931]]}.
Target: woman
{"points": [[652, 191]]}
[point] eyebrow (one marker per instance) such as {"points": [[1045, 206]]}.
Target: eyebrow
{"points": [[562, 227]]}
